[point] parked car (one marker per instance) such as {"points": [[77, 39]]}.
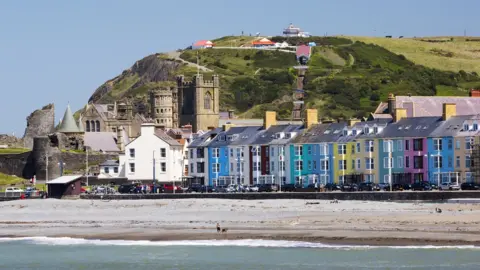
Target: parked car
{"points": [[366, 186], [267, 187], [171, 188], [31, 191], [252, 188], [13, 189], [383, 186], [290, 187], [127, 188], [449, 186], [349, 187], [421, 186], [332, 187], [469, 186]]}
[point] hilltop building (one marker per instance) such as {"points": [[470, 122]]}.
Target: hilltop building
{"points": [[203, 44], [292, 31]]}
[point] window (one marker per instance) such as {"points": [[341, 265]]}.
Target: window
{"points": [[457, 144], [354, 132], [437, 161], [87, 126], [400, 162], [387, 163], [468, 143], [450, 162], [215, 152], [281, 164], [457, 162], [272, 150], [298, 165], [375, 130], [407, 162], [369, 146], [231, 166], [132, 152], [366, 130], [215, 167], [407, 145], [323, 149], [163, 167], [309, 165], [309, 149], [255, 151], [386, 178], [324, 165], [358, 147], [468, 177], [231, 152], [359, 164], [192, 167], [468, 162], [342, 149], [353, 164], [256, 166], [342, 164], [207, 100], [418, 162], [272, 166], [475, 127], [191, 154], [341, 179], [369, 164], [450, 144], [399, 145], [163, 152], [465, 127], [298, 150], [107, 170], [314, 164], [115, 169], [417, 144], [387, 146], [200, 167], [132, 167], [266, 151], [97, 125], [437, 144], [370, 178]]}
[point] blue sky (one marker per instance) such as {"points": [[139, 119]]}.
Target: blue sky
{"points": [[61, 51]]}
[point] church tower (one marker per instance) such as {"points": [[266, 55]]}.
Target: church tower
{"points": [[199, 102], [163, 104]]}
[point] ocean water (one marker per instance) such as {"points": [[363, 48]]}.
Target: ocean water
{"points": [[68, 253]]}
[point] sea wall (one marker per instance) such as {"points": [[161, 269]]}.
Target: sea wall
{"points": [[17, 164], [361, 196]]}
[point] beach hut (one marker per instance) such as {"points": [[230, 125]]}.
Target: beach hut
{"points": [[66, 185]]}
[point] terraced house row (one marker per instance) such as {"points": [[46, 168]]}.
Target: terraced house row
{"points": [[400, 149]]}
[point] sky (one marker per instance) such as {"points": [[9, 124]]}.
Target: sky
{"points": [[61, 51]]}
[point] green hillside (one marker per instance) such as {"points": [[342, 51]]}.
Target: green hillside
{"points": [[346, 77]]}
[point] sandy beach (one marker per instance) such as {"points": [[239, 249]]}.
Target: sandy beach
{"points": [[345, 222]]}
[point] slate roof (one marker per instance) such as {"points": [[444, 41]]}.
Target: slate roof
{"points": [[299, 129], [454, 126], [110, 162], [248, 135], [166, 138], [253, 122], [420, 106], [413, 127], [320, 133], [268, 135], [204, 139], [101, 141], [68, 125], [217, 142]]}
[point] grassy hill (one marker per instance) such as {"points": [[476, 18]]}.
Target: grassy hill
{"points": [[347, 76]]}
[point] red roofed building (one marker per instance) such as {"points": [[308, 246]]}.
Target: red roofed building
{"points": [[202, 44], [264, 42]]}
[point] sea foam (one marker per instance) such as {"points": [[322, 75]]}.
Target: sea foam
{"points": [[67, 241]]}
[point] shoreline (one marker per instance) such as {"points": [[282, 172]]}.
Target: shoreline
{"points": [[290, 236]]}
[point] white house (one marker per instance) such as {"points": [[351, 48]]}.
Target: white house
{"points": [[153, 151], [109, 169]]}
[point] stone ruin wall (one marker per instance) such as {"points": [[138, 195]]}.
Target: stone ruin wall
{"points": [[39, 123]]}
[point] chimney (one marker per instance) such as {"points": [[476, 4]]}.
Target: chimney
{"points": [[474, 93], [311, 117], [227, 126], [399, 114], [270, 119], [327, 121], [352, 121], [231, 114], [120, 141], [210, 128], [391, 104], [449, 110], [147, 128]]}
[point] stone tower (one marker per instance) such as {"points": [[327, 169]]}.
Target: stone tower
{"points": [[164, 107], [199, 102]]}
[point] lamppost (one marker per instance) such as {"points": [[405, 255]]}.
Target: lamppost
{"points": [[153, 169], [46, 172], [61, 165], [428, 165], [281, 166], [390, 163], [86, 165]]}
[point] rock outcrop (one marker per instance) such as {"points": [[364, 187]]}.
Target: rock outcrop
{"points": [[11, 141], [39, 123]]}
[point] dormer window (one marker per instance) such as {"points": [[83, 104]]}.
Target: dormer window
{"points": [[475, 127], [465, 127], [366, 130], [375, 130], [288, 135], [345, 132], [354, 132]]}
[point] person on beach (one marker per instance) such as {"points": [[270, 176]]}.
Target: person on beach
{"points": [[218, 228]]}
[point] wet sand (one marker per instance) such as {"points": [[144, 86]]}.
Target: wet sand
{"points": [[345, 222]]}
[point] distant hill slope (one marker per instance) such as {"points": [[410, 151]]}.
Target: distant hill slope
{"points": [[346, 77]]}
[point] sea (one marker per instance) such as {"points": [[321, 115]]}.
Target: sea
{"points": [[69, 253]]}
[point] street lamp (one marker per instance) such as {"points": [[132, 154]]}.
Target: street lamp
{"points": [[390, 163], [61, 165]]}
